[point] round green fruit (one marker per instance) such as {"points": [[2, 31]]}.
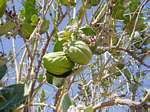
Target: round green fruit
{"points": [[79, 52], [57, 63]]}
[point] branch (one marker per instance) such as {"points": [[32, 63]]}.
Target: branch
{"points": [[147, 97], [136, 20], [120, 101], [49, 35], [15, 61], [130, 52]]}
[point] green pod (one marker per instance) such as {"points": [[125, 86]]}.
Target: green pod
{"points": [[57, 63], [79, 52]]}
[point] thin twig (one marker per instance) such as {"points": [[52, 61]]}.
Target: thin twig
{"points": [[42, 54], [21, 62], [15, 61]]}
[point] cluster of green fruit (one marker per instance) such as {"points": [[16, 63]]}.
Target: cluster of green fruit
{"points": [[59, 63]]}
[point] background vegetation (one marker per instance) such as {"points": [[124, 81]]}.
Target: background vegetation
{"points": [[117, 77]]}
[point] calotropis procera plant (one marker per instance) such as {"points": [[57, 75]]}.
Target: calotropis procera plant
{"points": [[74, 55]]}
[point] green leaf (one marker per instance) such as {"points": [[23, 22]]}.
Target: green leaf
{"points": [[117, 73], [11, 97], [2, 7], [146, 41], [88, 31], [65, 103], [49, 78], [66, 35], [52, 79], [7, 27], [3, 70], [120, 66], [127, 74], [34, 20], [42, 97], [92, 3], [58, 46], [138, 43], [30, 9], [40, 78], [89, 109], [133, 5], [118, 10], [68, 2], [26, 30], [45, 26]]}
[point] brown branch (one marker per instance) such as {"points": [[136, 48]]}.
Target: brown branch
{"points": [[147, 97], [58, 98], [49, 35], [130, 52], [120, 101]]}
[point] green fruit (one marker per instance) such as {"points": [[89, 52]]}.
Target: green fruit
{"points": [[57, 63], [79, 53], [2, 7]]}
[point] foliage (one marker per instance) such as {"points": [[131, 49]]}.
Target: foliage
{"points": [[74, 55]]}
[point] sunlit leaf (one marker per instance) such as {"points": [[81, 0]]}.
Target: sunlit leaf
{"points": [[29, 10], [34, 20], [89, 109], [68, 2], [88, 31], [58, 46], [2, 7]]}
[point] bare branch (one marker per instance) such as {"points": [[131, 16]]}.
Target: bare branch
{"points": [[15, 61], [119, 101]]}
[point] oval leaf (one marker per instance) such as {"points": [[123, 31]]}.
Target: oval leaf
{"points": [[11, 97], [65, 103]]}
